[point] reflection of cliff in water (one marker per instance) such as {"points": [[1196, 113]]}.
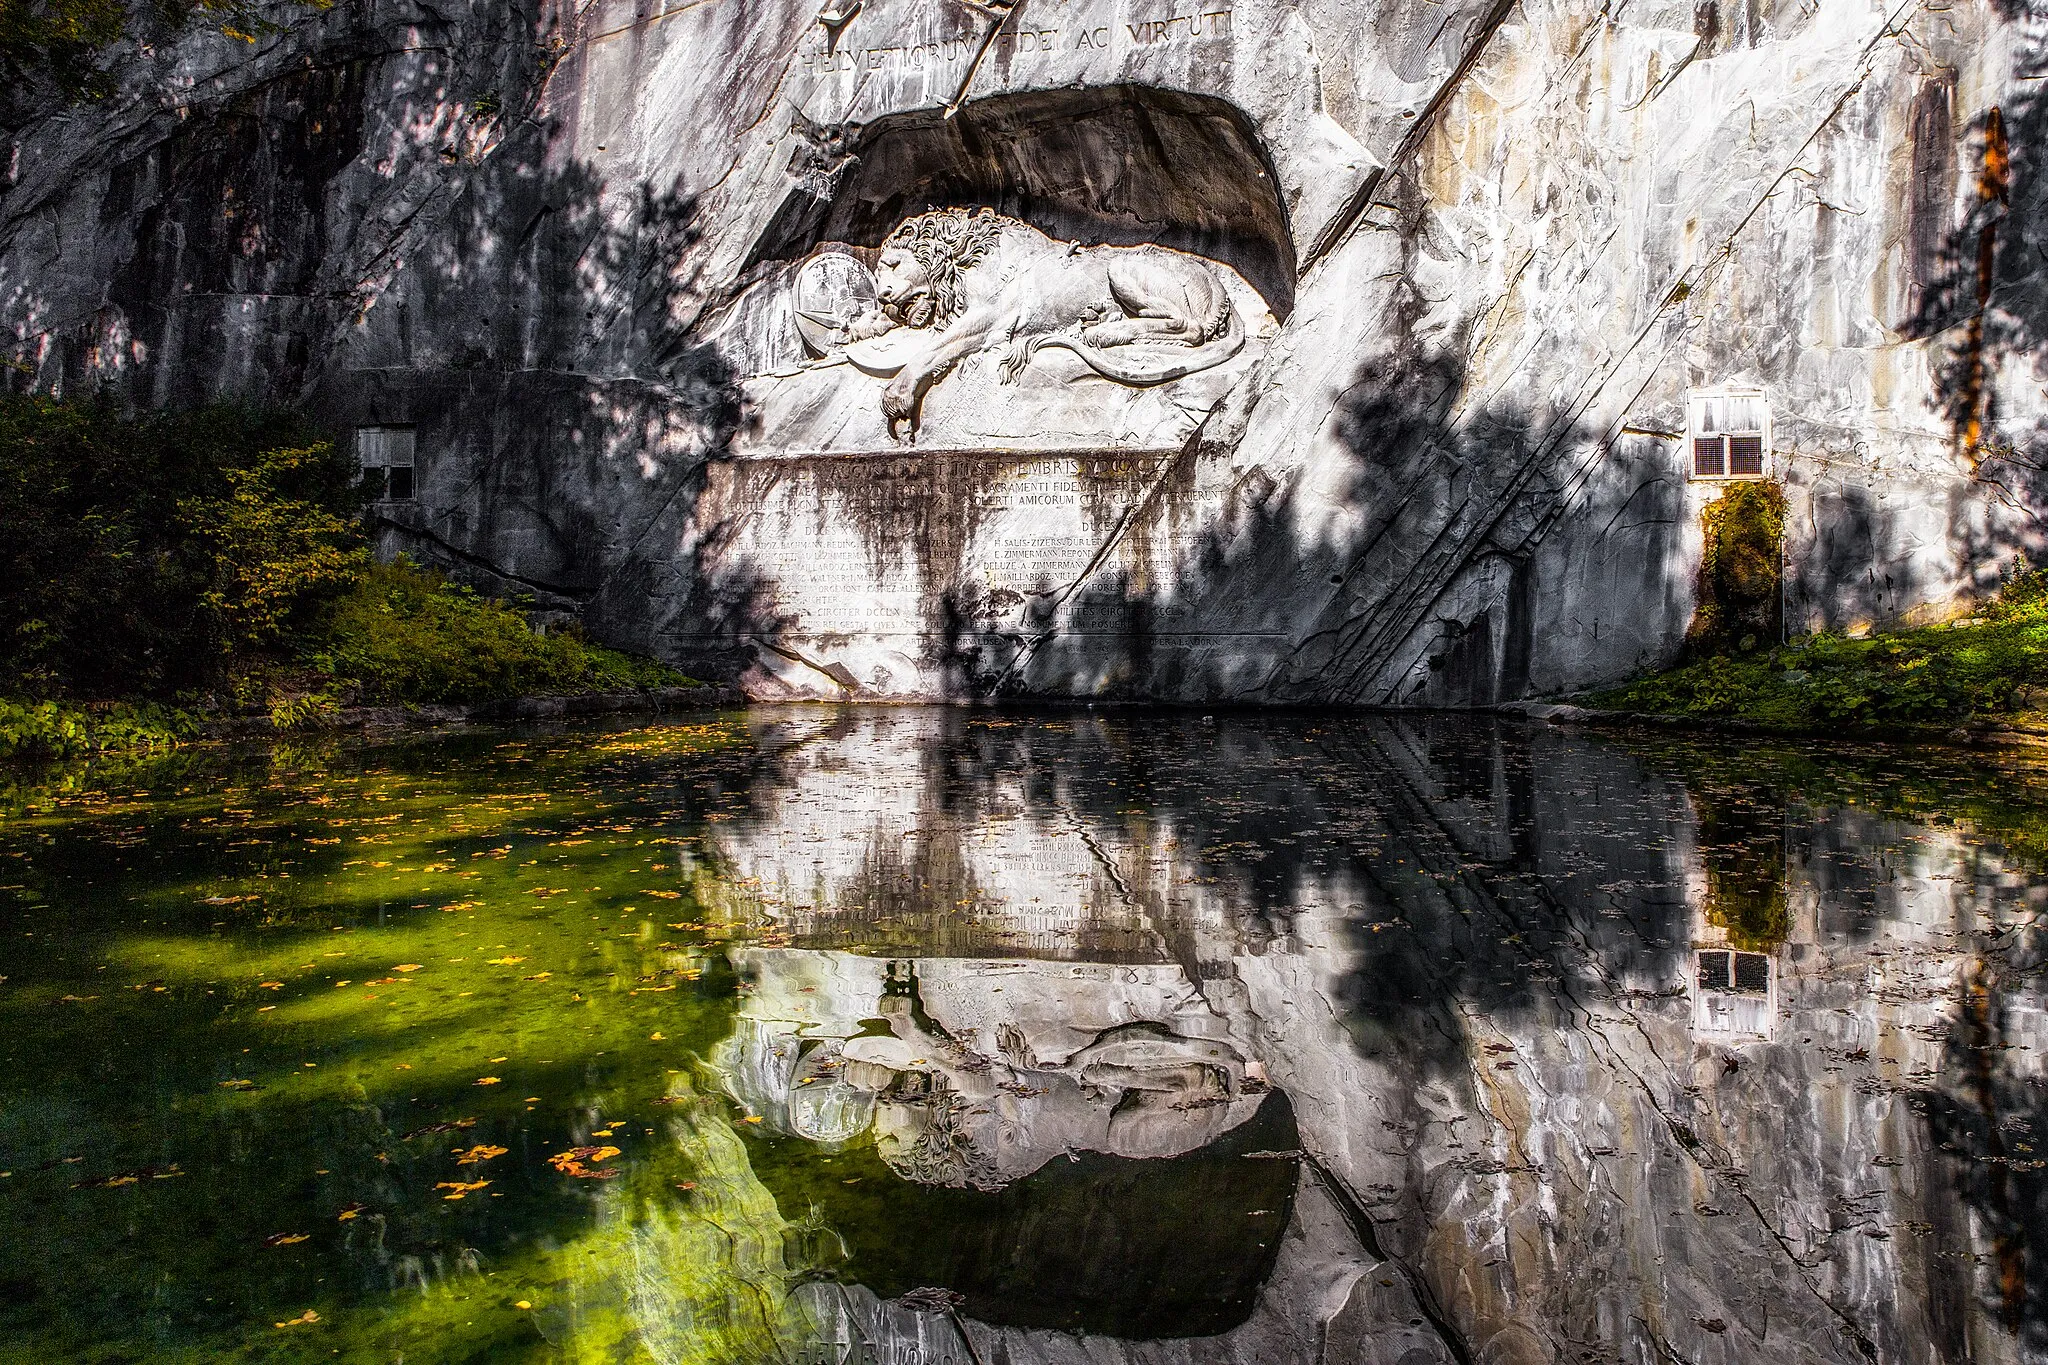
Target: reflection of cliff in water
{"points": [[1584, 1056]]}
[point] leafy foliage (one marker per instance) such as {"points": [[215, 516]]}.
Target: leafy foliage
{"points": [[1990, 667], [174, 558], [143, 556], [1740, 573], [59, 40], [49, 729], [62, 43], [407, 634]]}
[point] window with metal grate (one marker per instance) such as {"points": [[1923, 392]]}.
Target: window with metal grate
{"points": [[1729, 431], [1746, 456], [386, 455]]}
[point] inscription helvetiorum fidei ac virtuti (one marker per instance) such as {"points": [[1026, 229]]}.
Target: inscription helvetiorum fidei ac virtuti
{"points": [[1261, 351]]}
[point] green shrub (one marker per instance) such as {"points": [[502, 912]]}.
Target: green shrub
{"points": [[1931, 677], [219, 554], [406, 634], [49, 729], [143, 556], [1738, 589]]}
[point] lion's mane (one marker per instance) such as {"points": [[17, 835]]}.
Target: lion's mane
{"points": [[946, 242]]}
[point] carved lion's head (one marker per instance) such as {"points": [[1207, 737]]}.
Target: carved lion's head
{"points": [[918, 276]]}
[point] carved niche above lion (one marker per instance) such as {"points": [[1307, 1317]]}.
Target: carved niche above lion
{"points": [[972, 331]]}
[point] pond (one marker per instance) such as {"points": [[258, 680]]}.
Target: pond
{"points": [[972, 1036]]}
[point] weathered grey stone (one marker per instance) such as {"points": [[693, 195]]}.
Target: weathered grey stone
{"points": [[1479, 254], [1537, 1129]]}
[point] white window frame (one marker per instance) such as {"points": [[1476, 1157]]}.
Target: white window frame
{"points": [[385, 449], [1732, 1010], [1723, 415]]}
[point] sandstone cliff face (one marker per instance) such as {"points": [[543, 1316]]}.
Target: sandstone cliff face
{"points": [[1475, 257], [1480, 966]]}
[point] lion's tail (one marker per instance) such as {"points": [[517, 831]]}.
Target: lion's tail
{"points": [[1142, 365]]}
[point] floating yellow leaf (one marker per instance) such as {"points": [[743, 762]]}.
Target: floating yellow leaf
{"points": [[478, 1153], [537, 976], [238, 1085], [486, 1080], [302, 1319], [271, 985], [522, 1305], [574, 1162], [407, 967], [286, 1239], [503, 961], [461, 1187], [664, 895], [349, 1211]]}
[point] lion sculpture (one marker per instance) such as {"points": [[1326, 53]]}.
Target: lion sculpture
{"points": [[1138, 315]]}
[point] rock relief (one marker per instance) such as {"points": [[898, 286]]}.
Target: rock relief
{"points": [[985, 332]]}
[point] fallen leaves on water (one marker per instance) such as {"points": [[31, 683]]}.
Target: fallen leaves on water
{"points": [[460, 1187], [301, 1320], [271, 985], [537, 976], [478, 1153], [349, 1211], [75, 999], [240, 1085], [663, 895], [135, 1177], [286, 1239], [578, 1161], [485, 1080], [503, 961], [408, 967]]}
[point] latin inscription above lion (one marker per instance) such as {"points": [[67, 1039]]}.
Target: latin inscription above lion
{"points": [[970, 300]]}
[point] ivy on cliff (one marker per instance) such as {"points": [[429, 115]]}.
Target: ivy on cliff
{"points": [[1740, 574]]}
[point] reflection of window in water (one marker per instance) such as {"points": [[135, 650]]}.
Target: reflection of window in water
{"points": [[1737, 992]]}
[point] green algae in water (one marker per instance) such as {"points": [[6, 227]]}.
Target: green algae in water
{"points": [[291, 1040]]}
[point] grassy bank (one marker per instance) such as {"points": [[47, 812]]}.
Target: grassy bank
{"points": [[179, 566], [1989, 670]]}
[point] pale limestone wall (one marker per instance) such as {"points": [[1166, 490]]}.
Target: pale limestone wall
{"points": [[1479, 254]]}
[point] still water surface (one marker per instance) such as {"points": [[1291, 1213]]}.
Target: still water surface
{"points": [[965, 1037]]}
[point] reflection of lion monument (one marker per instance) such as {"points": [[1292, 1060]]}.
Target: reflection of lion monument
{"points": [[1138, 315]]}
